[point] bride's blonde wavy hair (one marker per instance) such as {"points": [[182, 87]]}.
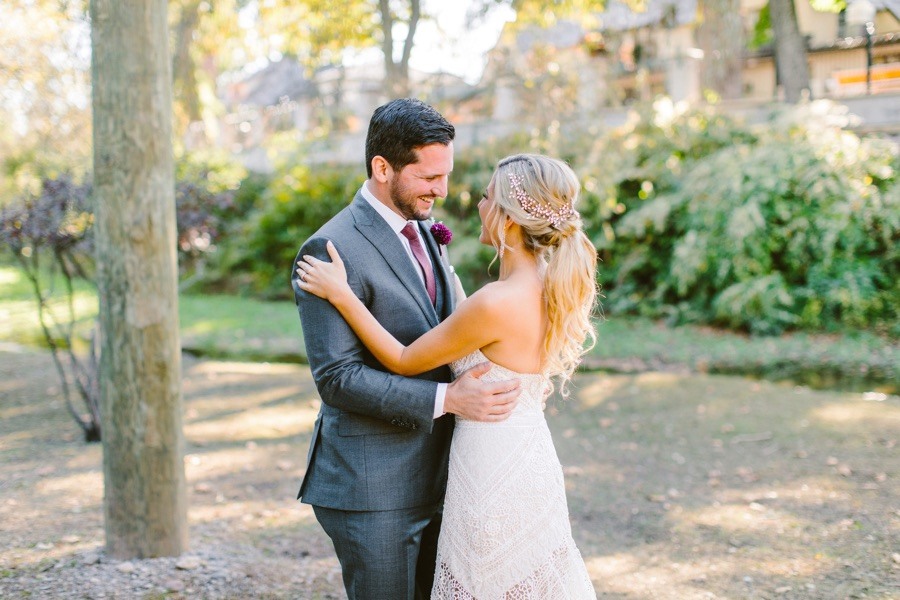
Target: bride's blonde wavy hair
{"points": [[553, 231]]}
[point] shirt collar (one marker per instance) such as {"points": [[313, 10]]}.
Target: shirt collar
{"points": [[395, 221]]}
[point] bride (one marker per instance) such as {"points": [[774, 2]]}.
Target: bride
{"points": [[506, 532]]}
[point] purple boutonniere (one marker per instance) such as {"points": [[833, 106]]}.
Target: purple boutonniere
{"points": [[442, 234]]}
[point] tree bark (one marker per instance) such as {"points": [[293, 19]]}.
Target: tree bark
{"points": [[140, 366], [721, 36], [790, 50], [396, 84]]}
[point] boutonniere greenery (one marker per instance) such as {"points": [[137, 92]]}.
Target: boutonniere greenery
{"points": [[442, 234]]}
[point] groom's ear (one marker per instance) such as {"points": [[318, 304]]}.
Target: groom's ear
{"points": [[381, 169]]}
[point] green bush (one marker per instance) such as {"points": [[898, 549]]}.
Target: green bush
{"points": [[297, 202], [794, 224], [697, 217]]}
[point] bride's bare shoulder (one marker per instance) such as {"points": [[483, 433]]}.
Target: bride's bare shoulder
{"points": [[504, 298]]}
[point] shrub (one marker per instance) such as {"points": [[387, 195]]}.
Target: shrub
{"points": [[794, 225], [48, 235], [297, 202], [206, 187]]}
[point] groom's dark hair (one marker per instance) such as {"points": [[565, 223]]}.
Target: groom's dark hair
{"points": [[399, 127]]}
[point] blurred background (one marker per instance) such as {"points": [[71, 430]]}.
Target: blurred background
{"points": [[738, 157]]}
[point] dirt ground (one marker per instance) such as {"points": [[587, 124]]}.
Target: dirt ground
{"points": [[680, 487]]}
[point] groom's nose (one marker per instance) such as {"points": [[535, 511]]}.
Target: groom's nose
{"points": [[440, 187]]}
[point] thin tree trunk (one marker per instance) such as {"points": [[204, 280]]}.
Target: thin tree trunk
{"points": [[403, 68], [721, 36], [790, 50], [185, 85], [387, 48], [140, 364], [396, 84]]}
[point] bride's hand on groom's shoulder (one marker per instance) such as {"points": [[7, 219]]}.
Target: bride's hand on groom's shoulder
{"points": [[471, 398], [326, 280]]}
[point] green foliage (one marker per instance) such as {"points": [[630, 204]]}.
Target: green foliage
{"points": [[697, 217], [297, 202], [794, 223], [639, 167], [216, 169], [791, 223], [763, 35], [205, 206], [832, 6], [245, 328]]}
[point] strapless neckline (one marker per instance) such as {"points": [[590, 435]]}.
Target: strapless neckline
{"points": [[535, 387], [478, 356]]}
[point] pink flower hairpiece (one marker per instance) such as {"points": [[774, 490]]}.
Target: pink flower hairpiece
{"points": [[537, 210], [442, 234]]}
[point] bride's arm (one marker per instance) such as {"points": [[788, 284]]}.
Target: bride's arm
{"points": [[474, 324]]}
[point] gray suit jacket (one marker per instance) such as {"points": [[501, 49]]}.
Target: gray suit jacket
{"points": [[375, 443]]}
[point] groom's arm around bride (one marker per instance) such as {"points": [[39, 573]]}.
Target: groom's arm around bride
{"points": [[377, 462]]}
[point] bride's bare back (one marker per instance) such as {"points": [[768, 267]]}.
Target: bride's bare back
{"points": [[522, 322]]}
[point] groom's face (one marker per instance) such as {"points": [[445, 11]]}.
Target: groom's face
{"points": [[415, 188]]}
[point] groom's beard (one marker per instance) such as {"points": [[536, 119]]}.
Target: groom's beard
{"points": [[408, 203]]}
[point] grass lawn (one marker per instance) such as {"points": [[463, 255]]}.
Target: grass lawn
{"points": [[219, 326], [248, 329]]}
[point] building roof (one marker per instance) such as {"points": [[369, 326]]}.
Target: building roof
{"points": [[563, 34], [890, 5], [272, 83]]}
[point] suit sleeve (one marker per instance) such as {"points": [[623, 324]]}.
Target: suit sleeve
{"points": [[336, 357]]}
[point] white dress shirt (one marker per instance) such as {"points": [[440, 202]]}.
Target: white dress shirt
{"points": [[397, 223]]}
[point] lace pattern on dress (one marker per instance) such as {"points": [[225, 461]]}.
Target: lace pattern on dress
{"points": [[547, 582], [506, 532]]}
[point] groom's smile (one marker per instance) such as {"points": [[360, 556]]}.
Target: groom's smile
{"points": [[415, 188]]}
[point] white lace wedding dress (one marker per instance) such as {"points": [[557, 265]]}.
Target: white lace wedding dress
{"points": [[506, 532]]}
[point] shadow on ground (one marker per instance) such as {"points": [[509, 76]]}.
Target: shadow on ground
{"points": [[680, 486]]}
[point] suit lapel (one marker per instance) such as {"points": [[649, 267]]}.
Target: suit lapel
{"points": [[370, 224], [441, 276]]}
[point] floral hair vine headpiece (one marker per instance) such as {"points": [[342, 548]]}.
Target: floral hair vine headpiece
{"points": [[536, 210]]}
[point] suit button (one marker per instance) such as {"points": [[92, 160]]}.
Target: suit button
{"points": [[395, 422]]}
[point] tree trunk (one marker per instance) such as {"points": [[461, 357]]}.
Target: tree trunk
{"points": [[721, 36], [140, 365], [403, 66], [185, 86], [790, 50], [387, 48], [396, 84]]}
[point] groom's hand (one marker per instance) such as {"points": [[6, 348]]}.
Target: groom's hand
{"points": [[476, 400]]}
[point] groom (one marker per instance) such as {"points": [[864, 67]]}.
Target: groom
{"points": [[377, 463]]}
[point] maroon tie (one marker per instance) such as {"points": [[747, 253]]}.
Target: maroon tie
{"points": [[409, 232]]}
